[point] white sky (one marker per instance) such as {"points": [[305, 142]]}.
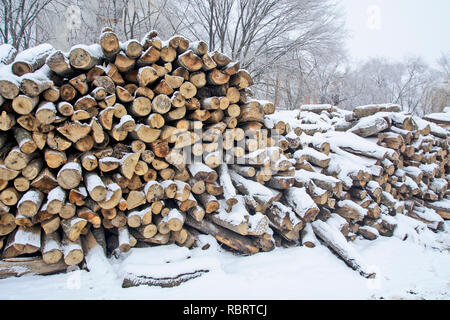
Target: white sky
{"points": [[398, 28]]}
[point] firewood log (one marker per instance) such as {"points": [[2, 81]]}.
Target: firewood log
{"points": [[55, 200], [284, 219], [280, 182], [241, 79], [33, 84], [188, 90], [23, 104], [7, 120], [308, 237], [67, 211], [371, 125], [7, 223], [245, 171], [209, 202], [69, 176], [85, 57], [120, 220], [227, 237], [136, 218], [21, 184], [145, 232], [72, 227], [89, 215], [59, 63], [338, 243], [24, 240], [433, 220], [197, 213], [9, 196], [150, 56], [8, 53], [29, 265], [51, 248], [190, 61], [351, 210], [262, 195], [201, 171], [72, 251], [30, 203], [301, 203], [31, 59]]}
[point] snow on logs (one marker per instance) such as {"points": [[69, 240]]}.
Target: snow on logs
{"points": [[376, 155], [94, 139], [97, 134]]}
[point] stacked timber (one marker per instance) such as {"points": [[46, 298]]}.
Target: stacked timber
{"points": [[152, 142], [95, 140], [363, 167]]}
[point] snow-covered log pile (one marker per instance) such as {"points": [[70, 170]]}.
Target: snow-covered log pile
{"points": [[100, 142], [361, 168], [152, 142]]}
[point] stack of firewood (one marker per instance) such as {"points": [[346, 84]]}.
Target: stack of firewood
{"points": [[95, 141], [363, 167], [142, 143]]}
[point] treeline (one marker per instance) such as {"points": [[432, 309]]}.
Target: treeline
{"points": [[293, 48]]}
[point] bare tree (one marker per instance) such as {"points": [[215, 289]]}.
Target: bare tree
{"points": [[260, 32], [130, 19], [304, 77], [18, 21], [141, 16], [413, 84], [444, 64]]}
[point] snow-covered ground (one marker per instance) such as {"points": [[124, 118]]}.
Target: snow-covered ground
{"points": [[414, 269]]}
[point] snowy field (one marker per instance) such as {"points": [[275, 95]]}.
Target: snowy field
{"points": [[418, 268]]}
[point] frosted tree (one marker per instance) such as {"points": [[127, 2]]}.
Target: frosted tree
{"points": [[261, 32], [307, 77], [444, 64], [141, 16], [130, 19], [411, 83]]}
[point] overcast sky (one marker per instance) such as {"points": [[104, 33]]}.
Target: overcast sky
{"points": [[397, 28]]}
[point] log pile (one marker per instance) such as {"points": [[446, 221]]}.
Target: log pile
{"points": [[362, 168], [94, 140], [151, 142]]}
